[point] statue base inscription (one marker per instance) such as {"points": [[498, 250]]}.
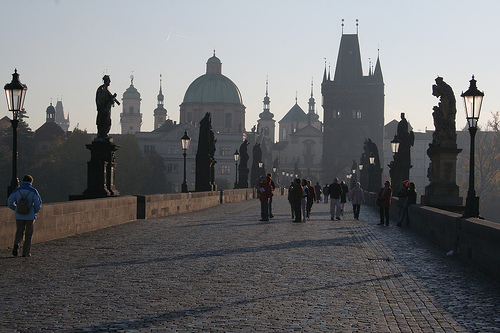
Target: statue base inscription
{"points": [[100, 170]]}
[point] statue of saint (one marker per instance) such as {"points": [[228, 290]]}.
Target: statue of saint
{"points": [[444, 114], [104, 100]]}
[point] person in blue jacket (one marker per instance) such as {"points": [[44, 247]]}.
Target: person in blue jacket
{"points": [[24, 222]]}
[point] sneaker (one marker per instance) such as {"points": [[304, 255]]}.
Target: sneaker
{"points": [[14, 251]]}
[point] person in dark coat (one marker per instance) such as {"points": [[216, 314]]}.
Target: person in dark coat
{"points": [[335, 191], [317, 188], [297, 193], [411, 199], [312, 197], [343, 196], [325, 193], [265, 191], [271, 198], [384, 202]]}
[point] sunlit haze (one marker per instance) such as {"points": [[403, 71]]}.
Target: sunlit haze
{"points": [[62, 48]]}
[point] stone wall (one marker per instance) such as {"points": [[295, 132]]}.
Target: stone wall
{"points": [[474, 241], [63, 219]]}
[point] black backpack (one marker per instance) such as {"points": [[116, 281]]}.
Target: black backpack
{"points": [[23, 204]]}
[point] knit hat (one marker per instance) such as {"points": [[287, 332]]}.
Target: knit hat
{"points": [[405, 183]]}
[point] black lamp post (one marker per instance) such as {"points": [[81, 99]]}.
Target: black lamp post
{"points": [[236, 159], [15, 92], [185, 141], [395, 166], [371, 173], [473, 99]]}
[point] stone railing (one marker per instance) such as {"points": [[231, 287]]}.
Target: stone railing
{"points": [[63, 219], [474, 241]]}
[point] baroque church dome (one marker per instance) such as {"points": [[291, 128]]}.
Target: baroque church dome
{"points": [[213, 87], [131, 92]]}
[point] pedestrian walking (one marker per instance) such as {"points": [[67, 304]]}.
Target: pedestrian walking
{"points": [[335, 192], [402, 204], [271, 198], [291, 200], [26, 202], [312, 197], [411, 199], [325, 193], [265, 191], [384, 202], [357, 197], [303, 202], [297, 194], [343, 196], [317, 189]]}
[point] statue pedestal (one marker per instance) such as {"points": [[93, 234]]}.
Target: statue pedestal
{"points": [[443, 190], [100, 170]]}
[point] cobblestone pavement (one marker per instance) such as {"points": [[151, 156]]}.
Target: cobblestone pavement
{"points": [[221, 270]]}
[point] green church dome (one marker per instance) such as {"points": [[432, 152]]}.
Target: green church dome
{"points": [[213, 87]]}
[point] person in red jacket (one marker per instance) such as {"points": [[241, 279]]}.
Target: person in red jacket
{"points": [[265, 192], [384, 202]]}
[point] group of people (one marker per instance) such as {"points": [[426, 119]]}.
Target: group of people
{"points": [[302, 195], [407, 196]]}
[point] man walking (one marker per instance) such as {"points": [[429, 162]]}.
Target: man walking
{"points": [[335, 191], [26, 202]]}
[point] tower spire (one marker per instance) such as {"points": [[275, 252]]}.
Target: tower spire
{"points": [[357, 26], [342, 26]]}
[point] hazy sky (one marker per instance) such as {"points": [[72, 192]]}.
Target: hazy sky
{"points": [[62, 47]]}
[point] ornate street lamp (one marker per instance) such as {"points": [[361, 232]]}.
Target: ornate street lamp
{"points": [[185, 141], [15, 92], [473, 99], [395, 144], [360, 166], [372, 159], [236, 160]]}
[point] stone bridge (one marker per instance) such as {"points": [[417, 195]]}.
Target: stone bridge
{"points": [[221, 270]]}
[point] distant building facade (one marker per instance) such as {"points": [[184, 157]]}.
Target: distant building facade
{"points": [[212, 92], [131, 116], [353, 109], [60, 118]]}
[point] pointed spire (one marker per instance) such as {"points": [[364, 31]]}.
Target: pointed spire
{"points": [[160, 94], [324, 73], [266, 114], [357, 26], [329, 78], [377, 74], [342, 26]]}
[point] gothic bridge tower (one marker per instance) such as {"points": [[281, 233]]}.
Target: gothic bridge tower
{"points": [[353, 109]]}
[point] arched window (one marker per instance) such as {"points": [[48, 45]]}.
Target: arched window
{"points": [[228, 120]]}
